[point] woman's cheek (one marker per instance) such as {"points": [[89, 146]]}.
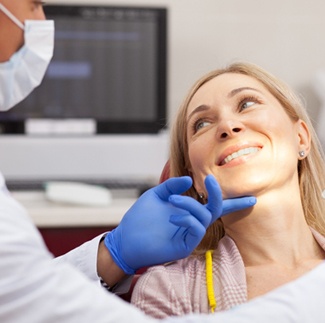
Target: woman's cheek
{"points": [[198, 162], [195, 157]]}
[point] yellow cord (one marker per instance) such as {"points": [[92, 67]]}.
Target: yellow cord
{"points": [[209, 279]]}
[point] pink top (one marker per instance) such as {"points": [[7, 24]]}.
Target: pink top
{"points": [[180, 288]]}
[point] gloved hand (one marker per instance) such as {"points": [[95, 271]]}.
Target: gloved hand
{"points": [[163, 226]]}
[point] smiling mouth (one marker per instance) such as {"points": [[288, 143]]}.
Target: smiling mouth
{"points": [[239, 153]]}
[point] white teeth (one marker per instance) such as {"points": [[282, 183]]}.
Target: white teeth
{"points": [[245, 151]]}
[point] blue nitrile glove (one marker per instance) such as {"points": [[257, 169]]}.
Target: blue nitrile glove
{"points": [[163, 226]]}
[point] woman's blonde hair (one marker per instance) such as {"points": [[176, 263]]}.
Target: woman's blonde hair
{"points": [[311, 170]]}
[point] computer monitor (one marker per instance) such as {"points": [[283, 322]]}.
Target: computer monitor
{"points": [[107, 75]]}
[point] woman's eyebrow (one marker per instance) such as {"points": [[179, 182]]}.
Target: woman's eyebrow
{"points": [[232, 93], [200, 108], [240, 89]]}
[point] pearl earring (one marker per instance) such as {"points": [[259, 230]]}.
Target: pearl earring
{"points": [[201, 196], [301, 153]]}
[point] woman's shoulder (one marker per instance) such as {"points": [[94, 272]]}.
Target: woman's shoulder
{"points": [[179, 287], [167, 289]]}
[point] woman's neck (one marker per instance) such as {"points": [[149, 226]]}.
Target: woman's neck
{"points": [[274, 231]]}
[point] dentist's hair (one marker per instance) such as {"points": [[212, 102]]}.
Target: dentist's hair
{"points": [[311, 169]]}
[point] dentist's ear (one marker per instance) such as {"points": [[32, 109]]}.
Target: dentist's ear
{"points": [[304, 139]]}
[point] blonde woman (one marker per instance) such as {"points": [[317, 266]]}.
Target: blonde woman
{"points": [[251, 132]]}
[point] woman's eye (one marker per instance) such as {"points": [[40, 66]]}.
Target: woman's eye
{"points": [[247, 104], [201, 124]]}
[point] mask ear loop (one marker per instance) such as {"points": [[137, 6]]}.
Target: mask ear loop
{"points": [[11, 16]]}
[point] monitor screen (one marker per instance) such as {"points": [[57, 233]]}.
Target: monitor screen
{"points": [[108, 73]]}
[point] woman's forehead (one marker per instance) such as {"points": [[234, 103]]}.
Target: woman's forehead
{"points": [[222, 86]]}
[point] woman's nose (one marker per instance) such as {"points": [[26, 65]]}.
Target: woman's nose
{"points": [[229, 129]]}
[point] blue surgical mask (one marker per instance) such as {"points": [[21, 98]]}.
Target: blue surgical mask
{"points": [[26, 68]]}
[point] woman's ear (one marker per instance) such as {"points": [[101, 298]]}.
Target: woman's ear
{"points": [[304, 138], [199, 188]]}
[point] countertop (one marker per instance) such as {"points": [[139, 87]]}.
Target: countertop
{"points": [[46, 213]]}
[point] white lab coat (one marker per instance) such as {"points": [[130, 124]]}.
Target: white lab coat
{"points": [[34, 288]]}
